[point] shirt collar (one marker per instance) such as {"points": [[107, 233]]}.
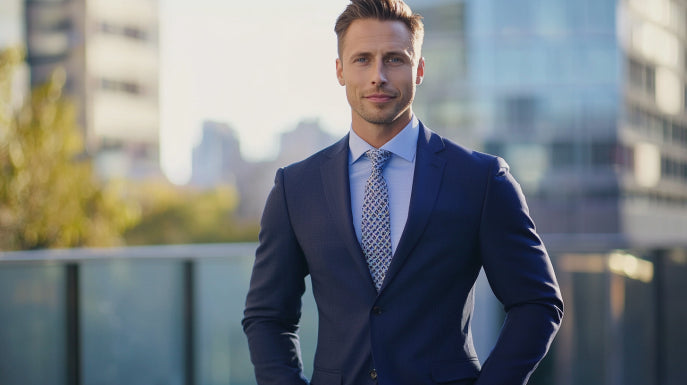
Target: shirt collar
{"points": [[404, 144]]}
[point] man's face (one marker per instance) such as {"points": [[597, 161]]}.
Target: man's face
{"points": [[380, 70]]}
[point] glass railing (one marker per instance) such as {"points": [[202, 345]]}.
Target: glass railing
{"points": [[171, 315], [160, 315]]}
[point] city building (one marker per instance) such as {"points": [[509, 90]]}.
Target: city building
{"points": [[11, 23], [12, 37], [109, 51], [217, 158], [304, 140], [586, 101]]}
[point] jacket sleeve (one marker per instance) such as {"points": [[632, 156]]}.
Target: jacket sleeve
{"points": [[273, 304], [521, 276]]}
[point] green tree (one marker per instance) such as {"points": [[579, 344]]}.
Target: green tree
{"points": [[49, 196], [173, 215]]}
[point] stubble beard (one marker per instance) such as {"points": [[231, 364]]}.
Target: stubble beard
{"points": [[384, 116]]}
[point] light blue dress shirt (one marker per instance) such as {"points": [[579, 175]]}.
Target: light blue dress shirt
{"points": [[398, 174]]}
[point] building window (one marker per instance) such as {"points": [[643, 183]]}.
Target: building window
{"points": [[135, 33], [120, 86], [642, 77], [665, 167], [659, 127], [673, 169], [603, 154], [625, 157], [667, 130], [650, 81], [123, 30], [635, 116], [635, 72], [520, 113], [111, 144], [562, 154]]}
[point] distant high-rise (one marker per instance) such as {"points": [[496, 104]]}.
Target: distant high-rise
{"points": [[217, 158], [586, 100], [304, 140], [109, 50]]}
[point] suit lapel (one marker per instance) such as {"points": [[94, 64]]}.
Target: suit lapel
{"points": [[429, 169], [338, 195]]}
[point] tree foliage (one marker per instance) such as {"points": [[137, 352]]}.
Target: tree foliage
{"points": [[174, 215], [48, 194]]}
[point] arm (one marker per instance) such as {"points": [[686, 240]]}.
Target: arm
{"points": [[273, 304], [522, 278]]}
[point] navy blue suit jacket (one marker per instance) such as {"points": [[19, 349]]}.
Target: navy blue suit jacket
{"points": [[466, 212]]}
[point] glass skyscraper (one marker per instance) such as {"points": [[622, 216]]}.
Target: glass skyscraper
{"points": [[584, 99]]}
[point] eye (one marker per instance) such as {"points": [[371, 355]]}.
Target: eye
{"points": [[360, 60], [394, 60]]}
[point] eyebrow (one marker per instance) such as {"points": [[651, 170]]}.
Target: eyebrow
{"points": [[408, 54]]}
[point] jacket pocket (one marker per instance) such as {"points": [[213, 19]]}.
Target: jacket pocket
{"points": [[325, 377], [448, 371]]}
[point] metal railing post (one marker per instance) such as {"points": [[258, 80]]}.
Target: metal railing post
{"points": [[73, 327], [189, 322]]}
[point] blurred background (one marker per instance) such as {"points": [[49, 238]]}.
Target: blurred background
{"points": [[139, 140]]}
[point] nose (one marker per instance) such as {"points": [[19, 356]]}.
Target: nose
{"points": [[379, 75]]}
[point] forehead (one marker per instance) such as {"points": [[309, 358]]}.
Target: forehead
{"points": [[371, 35]]}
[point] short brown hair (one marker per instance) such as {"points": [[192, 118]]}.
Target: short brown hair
{"points": [[383, 10]]}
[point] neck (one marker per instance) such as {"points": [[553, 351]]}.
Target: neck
{"points": [[378, 134]]}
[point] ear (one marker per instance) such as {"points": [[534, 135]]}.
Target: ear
{"points": [[339, 72], [420, 71]]}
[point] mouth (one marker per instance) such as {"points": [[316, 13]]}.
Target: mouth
{"points": [[379, 98]]}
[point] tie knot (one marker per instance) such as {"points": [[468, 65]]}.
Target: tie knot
{"points": [[378, 157]]}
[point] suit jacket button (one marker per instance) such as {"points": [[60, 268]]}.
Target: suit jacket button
{"points": [[373, 374], [376, 310]]}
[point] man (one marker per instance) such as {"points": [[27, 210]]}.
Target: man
{"points": [[393, 224]]}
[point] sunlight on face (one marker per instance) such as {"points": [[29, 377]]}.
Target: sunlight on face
{"points": [[380, 73]]}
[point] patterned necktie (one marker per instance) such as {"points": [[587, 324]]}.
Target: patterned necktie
{"points": [[376, 226]]}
